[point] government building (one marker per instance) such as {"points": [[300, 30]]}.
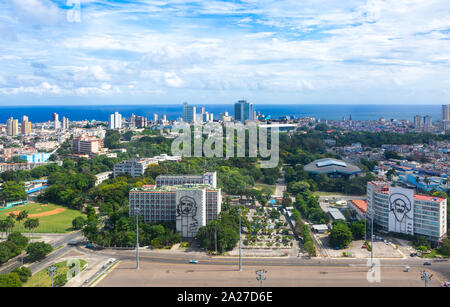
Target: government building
{"points": [[400, 210], [190, 206]]}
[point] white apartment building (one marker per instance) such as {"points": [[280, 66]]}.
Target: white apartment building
{"points": [[102, 177], [12, 127], [115, 121], [190, 206], [397, 209], [133, 167], [209, 178]]}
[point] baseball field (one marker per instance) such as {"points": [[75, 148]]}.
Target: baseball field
{"points": [[52, 218]]}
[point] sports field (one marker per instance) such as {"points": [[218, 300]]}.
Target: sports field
{"points": [[52, 218]]}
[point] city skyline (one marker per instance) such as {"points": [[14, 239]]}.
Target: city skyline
{"points": [[354, 52]]}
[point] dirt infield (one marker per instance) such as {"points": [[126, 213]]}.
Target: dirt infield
{"points": [[48, 213]]}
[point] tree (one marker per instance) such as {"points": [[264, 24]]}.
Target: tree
{"points": [[38, 250], [340, 235], [445, 248], [4, 253], [10, 280], [21, 216], [60, 280], [13, 191], [79, 222], [31, 224], [18, 239], [358, 230], [24, 273]]}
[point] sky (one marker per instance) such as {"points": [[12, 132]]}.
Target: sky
{"points": [[67, 52]]}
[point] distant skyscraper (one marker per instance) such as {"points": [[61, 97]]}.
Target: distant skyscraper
{"points": [[202, 110], [189, 113], [428, 122], [418, 122], [25, 125], [155, 118], [446, 112], [243, 111], [56, 122], [65, 123], [164, 118], [12, 127], [115, 121], [141, 122]]}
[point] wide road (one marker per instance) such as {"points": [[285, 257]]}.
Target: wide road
{"points": [[442, 268], [220, 275], [36, 266]]}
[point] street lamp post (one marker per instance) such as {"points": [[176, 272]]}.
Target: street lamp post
{"points": [[215, 234], [426, 277], [137, 211], [52, 272], [240, 241], [261, 276]]}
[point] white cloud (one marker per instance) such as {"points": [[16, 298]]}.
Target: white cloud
{"points": [[158, 47]]}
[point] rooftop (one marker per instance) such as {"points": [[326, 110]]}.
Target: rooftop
{"points": [[173, 188], [360, 204], [328, 165]]}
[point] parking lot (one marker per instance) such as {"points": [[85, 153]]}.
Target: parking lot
{"points": [[355, 250]]}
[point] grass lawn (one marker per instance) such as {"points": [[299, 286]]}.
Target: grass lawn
{"points": [[260, 186], [58, 220], [42, 279]]}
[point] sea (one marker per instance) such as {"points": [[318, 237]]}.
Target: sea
{"points": [[318, 111]]}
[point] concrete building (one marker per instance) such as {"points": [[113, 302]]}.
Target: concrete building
{"points": [[333, 168], [189, 206], [56, 122], [243, 111], [115, 121], [336, 214], [446, 112], [428, 122], [87, 145], [12, 127], [141, 122], [102, 177], [133, 167], [36, 157], [359, 206], [396, 209], [65, 123], [225, 117], [171, 180], [418, 122], [189, 113], [25, 126]]}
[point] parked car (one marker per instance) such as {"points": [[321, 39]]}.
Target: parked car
{"points": [[90, 246], [407, 268], [193, 261], [427, 263], [363, 246], [73, 242], [446, 284]]}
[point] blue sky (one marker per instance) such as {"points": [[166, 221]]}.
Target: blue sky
{"points": [[212, 51]]}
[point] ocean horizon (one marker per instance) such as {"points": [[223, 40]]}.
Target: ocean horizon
{"points": [[173, 111]]}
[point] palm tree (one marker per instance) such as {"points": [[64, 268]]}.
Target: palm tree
{"points": [[31, 224], [3, 226], [9, 223], [21, 216]]}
